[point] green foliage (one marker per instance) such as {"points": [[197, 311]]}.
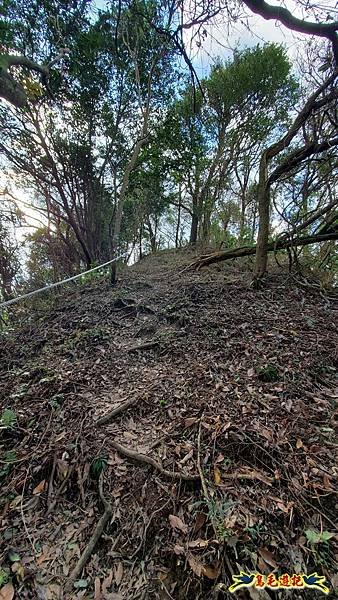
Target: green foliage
{"points": [[255, 86], [246, 101], [94, 275], [268, 373], [8, 418], [92, 129], [4, 318], [80, 584], [200, 151], [257, 83], [217, 511], [50, 257], [255, 531], [318, 537], [4, 574], [98, 465], [6, 467], [219, 236], [13, 556], [321, 547], [25, 24]]}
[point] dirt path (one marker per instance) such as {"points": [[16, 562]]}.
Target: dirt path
{"points": [[215, 378]]}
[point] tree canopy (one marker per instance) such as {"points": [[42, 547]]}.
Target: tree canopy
{"points": [[118, 150]]}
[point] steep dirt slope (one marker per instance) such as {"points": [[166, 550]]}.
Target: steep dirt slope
{"points": [[230, 392]]}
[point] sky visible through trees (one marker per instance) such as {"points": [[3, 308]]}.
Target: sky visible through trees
{"points": [[141, 131]]}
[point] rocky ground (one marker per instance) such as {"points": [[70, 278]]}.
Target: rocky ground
{"points": [[182, 421]]}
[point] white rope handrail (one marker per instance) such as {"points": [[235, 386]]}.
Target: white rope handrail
{"points": [[57, 283]]}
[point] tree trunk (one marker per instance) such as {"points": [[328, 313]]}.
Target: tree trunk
{"points": [[206, 224], [178, 225], [194, 229], [121, 200], [254, 221], [152, 236], [12, 90], [264, 220], [194, 221], [132, 162], [140, 242], [280, 244], [265, 182], [242, 219]]}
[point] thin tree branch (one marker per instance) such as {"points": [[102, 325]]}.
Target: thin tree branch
{"points": [[328, 30]]}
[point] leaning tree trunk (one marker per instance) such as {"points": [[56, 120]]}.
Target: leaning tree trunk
{"points": [[311, 105], [264, 221], [11, 90], [281, 244]]}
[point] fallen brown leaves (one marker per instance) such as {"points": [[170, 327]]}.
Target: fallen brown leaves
{"points": [[177, 523], [201, 569], [200, 346], [7, 592]]}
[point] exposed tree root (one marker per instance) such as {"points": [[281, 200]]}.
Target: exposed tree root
{"points": [[145, 346], [133, 455], [120, 409], [116, 411], [99, 529], [281, 244]]}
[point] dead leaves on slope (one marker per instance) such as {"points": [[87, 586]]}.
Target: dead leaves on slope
{"points": [[267, 447], [177, 523], [201, 569], [7, 592], [101, 588]]}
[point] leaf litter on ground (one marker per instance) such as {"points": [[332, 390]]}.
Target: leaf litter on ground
{"points": [[243, 382]]}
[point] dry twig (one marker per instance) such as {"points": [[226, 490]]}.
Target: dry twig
{"points": [[60, 490], [116, 411], [201, 474], [86, 554]]}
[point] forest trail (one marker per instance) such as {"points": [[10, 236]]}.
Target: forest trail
{"points": [[219, 380]]}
